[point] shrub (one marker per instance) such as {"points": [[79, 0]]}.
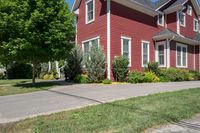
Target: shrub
{"points": [[154, 67], [150, 77], [46, 77], [19, 71], [120, 68], [81, 79], [95, 64], [107, 81], [73, 65], [174, 74], [195, 74], [135, 77]]}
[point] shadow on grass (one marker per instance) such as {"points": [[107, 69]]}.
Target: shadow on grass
{"points": [[37, 85]]}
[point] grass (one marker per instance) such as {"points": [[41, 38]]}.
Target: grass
{"points": [[132, 115], [10, 87]]}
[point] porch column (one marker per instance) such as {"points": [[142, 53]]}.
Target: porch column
{"points": [[168, 53]]}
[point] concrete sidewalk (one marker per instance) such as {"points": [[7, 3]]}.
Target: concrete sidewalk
{"points": [[67, 97], [185, 126]]}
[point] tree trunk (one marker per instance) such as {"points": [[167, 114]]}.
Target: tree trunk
{"points": [[33, 73]]}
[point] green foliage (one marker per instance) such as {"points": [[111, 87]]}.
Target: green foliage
{"points": [[154, 67], [81, 79], [150, 77], [35, 31], [195, 75], [95, 64], [175, 74], [74, 64], [107, 81], [120, 68], [2, 75], [19, 71], [140, 77], [135, 77]]}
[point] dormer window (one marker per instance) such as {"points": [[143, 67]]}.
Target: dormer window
{"points": [[189, 10], [196, 25], [161, 19], [90, 11], [182, 19]]}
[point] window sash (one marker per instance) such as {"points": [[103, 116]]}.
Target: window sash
{"points": [[181, 56], [90, 11], [182, 18], [126, 48], [88, 44], [161, 54], [145, 54]]}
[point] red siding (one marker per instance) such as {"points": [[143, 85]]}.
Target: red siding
{"points": [[171, 22], [188, 30], [133, 24], [94, 29]]}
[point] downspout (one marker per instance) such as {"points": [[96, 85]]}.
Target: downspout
{"points": [[108, 41]]}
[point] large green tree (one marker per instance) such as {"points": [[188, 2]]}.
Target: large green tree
{"points": [[35, 31]]}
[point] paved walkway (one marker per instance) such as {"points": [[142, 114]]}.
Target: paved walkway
{"points": [[61, 98], [187, 126]]}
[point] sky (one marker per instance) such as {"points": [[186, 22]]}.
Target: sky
{"points": [[71, 2]]}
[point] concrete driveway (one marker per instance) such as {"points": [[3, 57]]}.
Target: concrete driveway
{"points": [[67, 97]]}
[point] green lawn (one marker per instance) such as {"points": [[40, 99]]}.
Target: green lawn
{"points": [[10, 87], [127, 116]]}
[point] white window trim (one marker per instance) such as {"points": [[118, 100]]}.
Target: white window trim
{"points": [[163, 19], [148, 50], [90, 44], [185, 46], [189, 10], [122, 47], [86, 12], [165, 52], [195, 20], [183, 25]]}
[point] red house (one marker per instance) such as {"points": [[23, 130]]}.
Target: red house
{"points": [[165, 31]]}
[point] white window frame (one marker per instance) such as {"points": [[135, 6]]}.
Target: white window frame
{"points": [[142, 51], [86, 11], [163, 19], [122, 47], [90, 43], [184, 18], [165, 53], [189, 10], [182, 46], [196, 29]]}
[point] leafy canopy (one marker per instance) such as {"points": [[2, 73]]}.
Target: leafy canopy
{"points": [[35, 30]]}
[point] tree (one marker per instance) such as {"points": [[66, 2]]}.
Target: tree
{"points": [[35, 31], [95, 64], [74, 64]]}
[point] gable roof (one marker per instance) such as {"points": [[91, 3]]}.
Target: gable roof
{"points": [[148, 7], [179, 4], [169, 34]]}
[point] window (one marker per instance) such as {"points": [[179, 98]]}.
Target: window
{"points": [[86, 45], [126, 48], [189, 10], [182, 19], [145, 53], [161, 54], [181, 55], [161, 19], [196, 25], [90, 11]]}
